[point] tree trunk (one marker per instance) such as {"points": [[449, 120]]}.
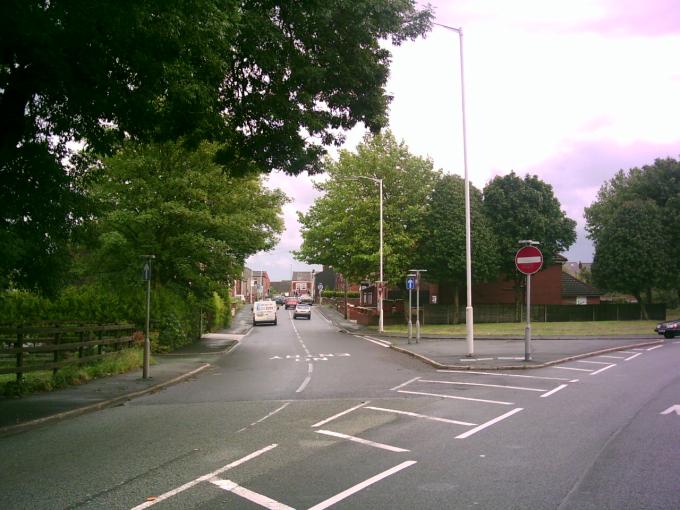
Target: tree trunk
{"points": [[456, 305], [346, 309]]}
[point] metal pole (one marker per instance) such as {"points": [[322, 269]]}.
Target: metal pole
{"points": [[417, 307], [382, 289], [410, 322], [147, 340], [527, 329]]}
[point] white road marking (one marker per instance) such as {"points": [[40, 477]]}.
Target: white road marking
{"points": [[404, 384], [352, 490], [304, 384], [603, 369], [507, 375], [655, 347], [470, 432], [593, 362], [511, 357], [255, 497], [633, 356], [639, 349], [560, 387], [672, 409], [203, 478], [416, 415], [485, 385], [359, 440], [613, 357], [627, 352], [470, 360], [268, 416], [572, 368], [375, 341], [346, 411], [457, 398]]}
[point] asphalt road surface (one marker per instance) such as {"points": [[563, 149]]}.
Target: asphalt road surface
{"points": [[300, 415]]}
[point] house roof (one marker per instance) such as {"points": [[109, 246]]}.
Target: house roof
{"points": [[572, 287], [302, 276]]}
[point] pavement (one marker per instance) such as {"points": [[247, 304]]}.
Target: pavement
{"points": [[506, 353]]}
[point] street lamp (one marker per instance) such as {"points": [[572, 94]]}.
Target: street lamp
{"points": [[468, 244], [381, 289]]}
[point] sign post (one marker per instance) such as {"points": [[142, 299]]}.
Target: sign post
{"points": [[417, 272], [146, 273], [528, 260], [410, 285]]}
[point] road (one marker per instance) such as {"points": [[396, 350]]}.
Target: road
{"points": [[303, 416]]}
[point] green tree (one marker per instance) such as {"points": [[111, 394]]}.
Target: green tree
{"points": [[341, 229], [270, 82], [442, 249], [526, 209], [200, 223]]}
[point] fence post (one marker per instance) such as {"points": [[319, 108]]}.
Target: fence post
{"points": [[20, 355], [80, 348], [56, 352]]}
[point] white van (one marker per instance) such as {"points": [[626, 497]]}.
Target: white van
{"points": [[264, 311]]}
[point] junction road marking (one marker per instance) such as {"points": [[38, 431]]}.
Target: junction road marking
{"points": [[416, 415], [655, 347], [672, 409], [366, 442], [470, 432], [268, 416], [539, 390], [346, 411], [603, 369], [255, 497], [304, 384], [508, 375], [633, 356], [457, 398], [560, 387], [204, 478], [312, 357], [404, 384]]}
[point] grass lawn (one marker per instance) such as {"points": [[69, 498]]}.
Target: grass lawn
{"points": [[598, 328]]}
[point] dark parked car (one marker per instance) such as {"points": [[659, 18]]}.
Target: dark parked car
{"points": [[290, 302], [303, 310], [668, 329], [280, 299]]}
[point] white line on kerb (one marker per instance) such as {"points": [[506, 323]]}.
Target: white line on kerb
{"points": [[485, 385], [347, 411], [416, 415], [255, 497], [457, 398], [467, 434], [555, 390], [359, 440], [352, 490], [204, 478], [404, 384]]}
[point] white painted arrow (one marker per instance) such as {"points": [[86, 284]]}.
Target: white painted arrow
{"points": [[672, 409]]}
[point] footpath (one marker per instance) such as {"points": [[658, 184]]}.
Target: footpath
{"points": [[503, 353]]}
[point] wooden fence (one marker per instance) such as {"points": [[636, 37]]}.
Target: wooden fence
{"points": [[30, 349]]}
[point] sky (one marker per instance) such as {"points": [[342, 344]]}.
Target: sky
{"points": [[571, 92]]}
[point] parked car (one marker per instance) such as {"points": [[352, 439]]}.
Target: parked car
{"points": [[303, 311], [290, 302], [306, 299], [668, 329], [264, 311], [280, 299]]}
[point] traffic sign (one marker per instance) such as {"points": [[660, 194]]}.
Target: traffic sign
{"points": [[320, 287], [410, 282], [529, 260]]}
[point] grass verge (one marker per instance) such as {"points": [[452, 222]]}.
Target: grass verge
{"points": [[34, 382]]}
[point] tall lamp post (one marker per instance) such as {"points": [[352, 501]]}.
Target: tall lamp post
{"points": [[469, 316], [381, 290]]}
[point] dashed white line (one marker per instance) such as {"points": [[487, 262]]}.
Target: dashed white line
{"points": [[404, 384], [485, 385], [259, 499], [268, 416], [203, 478], [457, 398], [352, 490], [560, 387], [346, 411], [416, 415], [470, 432], [359, 440]]}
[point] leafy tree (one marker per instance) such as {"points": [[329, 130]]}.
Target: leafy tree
{"points": [[526, 209], [341, 229], [653, 193], [442, 249], [270, 82], [200, 223]]}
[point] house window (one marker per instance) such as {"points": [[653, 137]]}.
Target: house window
{"points": [[581, 300]]}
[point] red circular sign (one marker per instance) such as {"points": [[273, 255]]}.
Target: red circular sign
{"points": [[529, 260]]}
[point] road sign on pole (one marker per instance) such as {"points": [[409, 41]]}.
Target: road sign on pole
{"points": [[529, 260], [411, 282]]}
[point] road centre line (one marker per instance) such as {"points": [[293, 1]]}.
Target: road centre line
{"points": [[264, 418], [204, 478], [593, 362], [404, 384], [633, 356], [555, 390], [304, 384], [375, 341], [485, 385], [507, 375], [359, 440], [457, 398], [470, 432], [362, 485], [602, 369], [346, 411], [416, 415], [255, 497]]}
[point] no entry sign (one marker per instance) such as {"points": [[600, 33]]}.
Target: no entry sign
{"points": [[529, 260]]}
